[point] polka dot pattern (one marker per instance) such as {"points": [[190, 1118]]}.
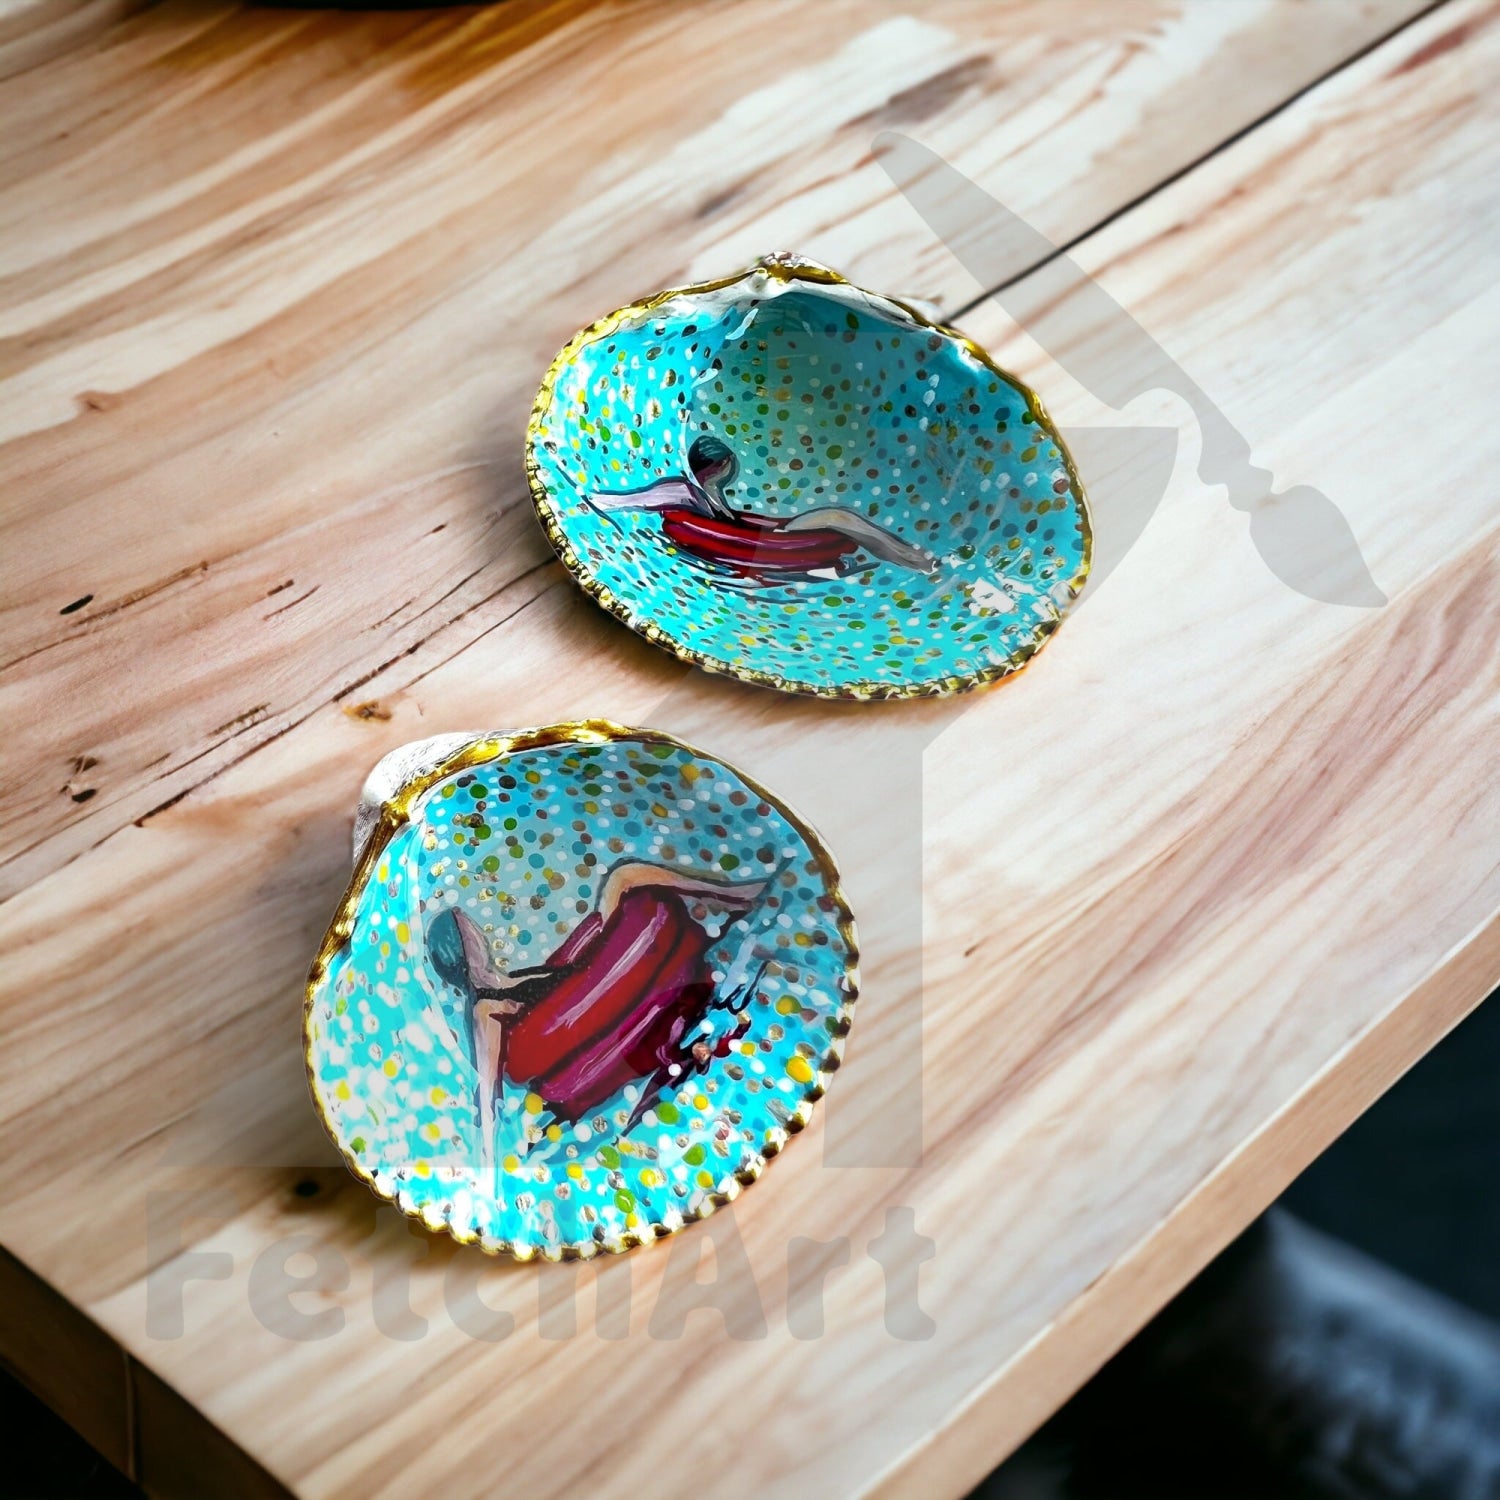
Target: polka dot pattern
{"points": [[520, 840], [828, 396]]}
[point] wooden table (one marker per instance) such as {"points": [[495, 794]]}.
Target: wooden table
{"points": [[277, 288]]}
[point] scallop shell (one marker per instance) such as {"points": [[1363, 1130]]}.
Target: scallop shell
{"points": [[903, 519], [603, 1126]]}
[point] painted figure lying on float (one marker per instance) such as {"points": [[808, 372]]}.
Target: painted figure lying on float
{"points": [[623, 998], [696, 518]]}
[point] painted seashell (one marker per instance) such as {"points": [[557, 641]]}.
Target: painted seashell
{"points": [[807, 485], [585, 983]]}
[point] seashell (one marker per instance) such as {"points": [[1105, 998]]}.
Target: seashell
{"points": [[585, 983], [787, 478]]}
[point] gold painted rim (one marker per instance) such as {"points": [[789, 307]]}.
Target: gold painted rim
{"points": [[789, 268], [395, 814]]}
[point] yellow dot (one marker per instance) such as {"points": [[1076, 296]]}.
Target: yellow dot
{"points": [[512, 1162], [705, 1179], [650, 1177], [438, 1095], [554, 1132], [403, 932], [391, 1067], [575, 1171], [431, 1131], [422, 1169], [700, 1101], [797, 1067], [786, 1006], [748, 1048], [535, 1104]]}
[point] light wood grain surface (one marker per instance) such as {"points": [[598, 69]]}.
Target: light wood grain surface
{"points": [[276, 288]]}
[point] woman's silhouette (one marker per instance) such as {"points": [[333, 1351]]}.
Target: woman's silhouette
{"points": [[698, 520], [621, 999]]}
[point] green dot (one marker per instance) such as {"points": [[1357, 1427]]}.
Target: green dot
{"points": [[625, 1201], [609, 1156], [693, 1155], [667, 1112]]}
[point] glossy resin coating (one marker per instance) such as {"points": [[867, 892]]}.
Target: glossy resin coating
{"points": [[585, 982], [787, 478]]}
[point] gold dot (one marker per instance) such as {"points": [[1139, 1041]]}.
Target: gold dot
{"points": [[797, 1067]]}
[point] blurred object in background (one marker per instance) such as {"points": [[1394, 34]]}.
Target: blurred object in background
{"points": [[1415, 1182], [1298, 1367]]}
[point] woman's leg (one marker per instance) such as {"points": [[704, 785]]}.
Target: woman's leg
{"points": [[874, 538], [634, 874]]}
